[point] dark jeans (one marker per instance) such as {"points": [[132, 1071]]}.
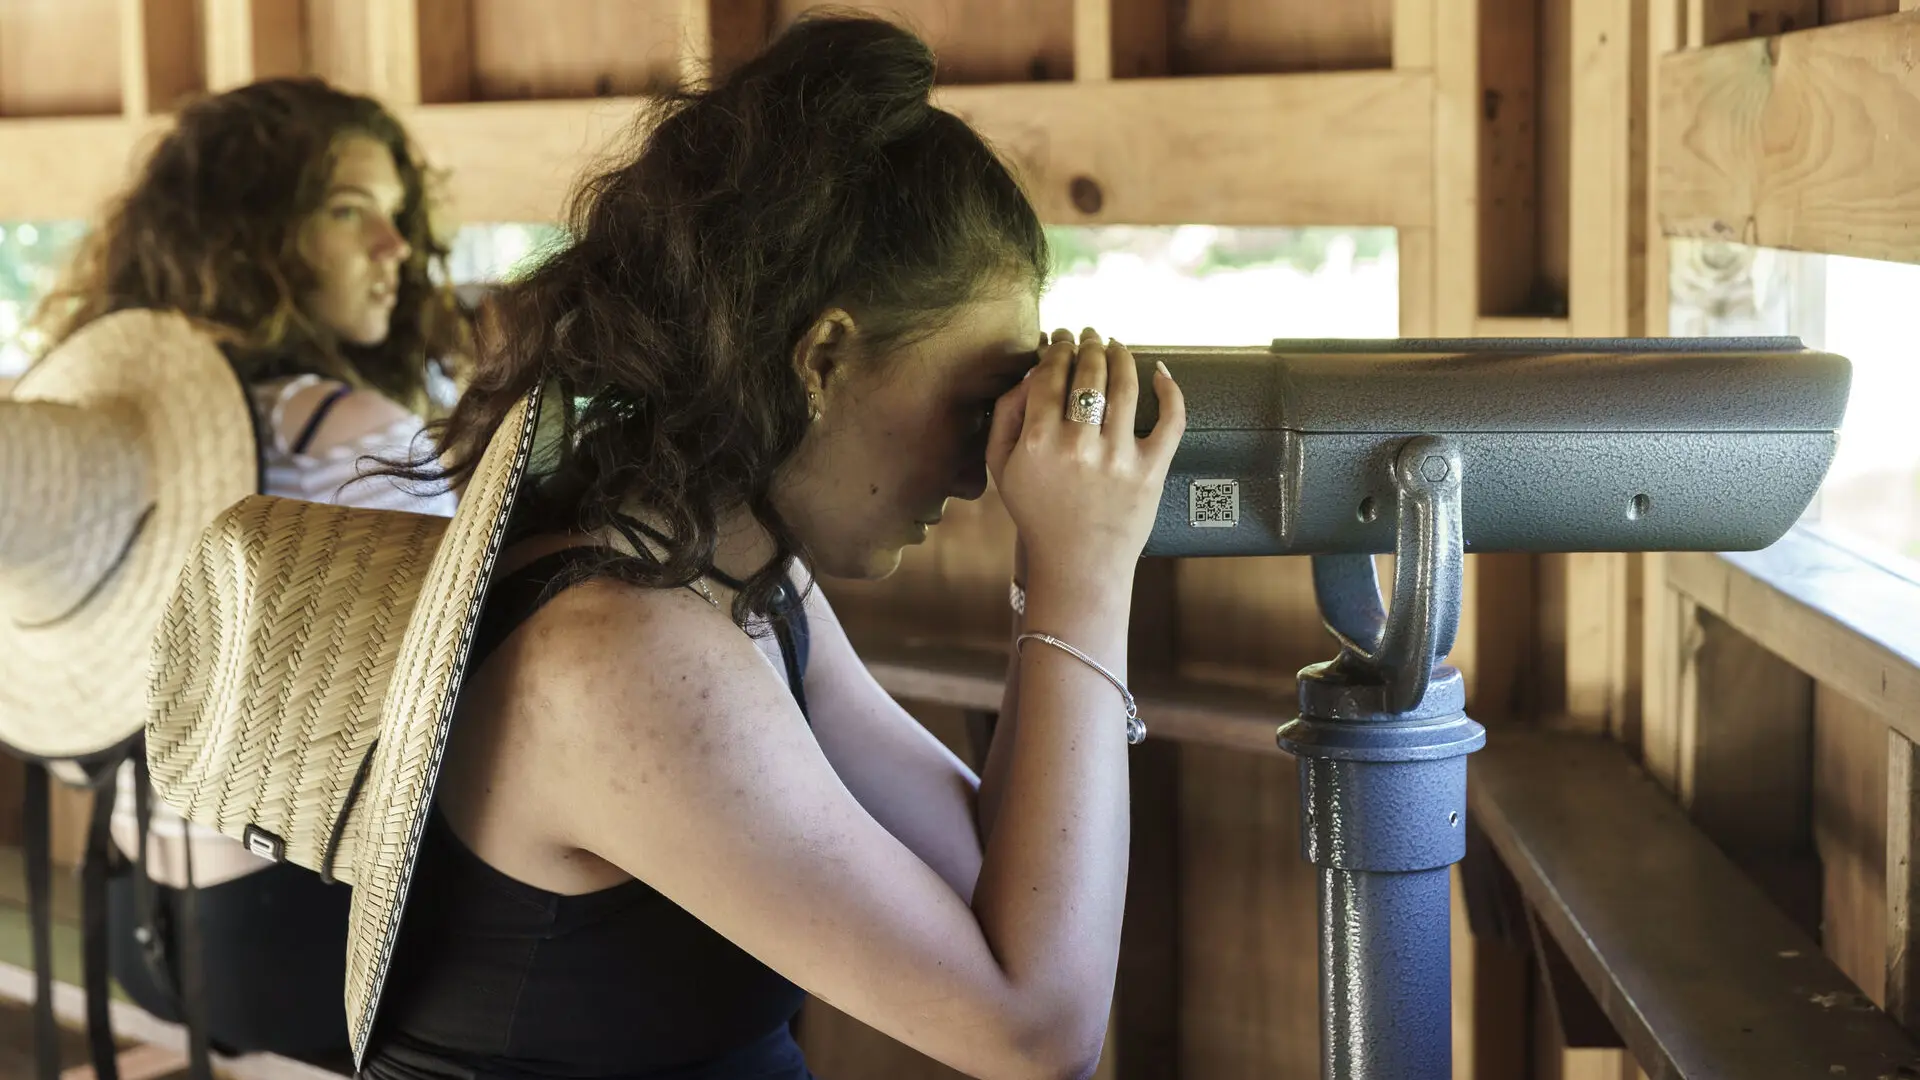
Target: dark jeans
{"points": [[274, 951]]}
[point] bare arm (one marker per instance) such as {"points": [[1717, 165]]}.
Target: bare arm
{"points": [[993, 771], [907, 779]]}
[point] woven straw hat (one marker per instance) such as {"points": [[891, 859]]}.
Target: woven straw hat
{"points": [[304, 679], [116, 450]]}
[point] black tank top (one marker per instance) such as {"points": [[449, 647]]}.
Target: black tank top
{"points": [[494, 979]]}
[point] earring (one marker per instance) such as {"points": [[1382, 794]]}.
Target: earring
{"points": [[813, 407]]}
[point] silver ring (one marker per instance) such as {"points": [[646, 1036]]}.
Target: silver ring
{"points": [[1087, 406]]}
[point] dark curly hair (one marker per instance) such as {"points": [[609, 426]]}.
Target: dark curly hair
{"points": [[210, 229], [817, 174]]}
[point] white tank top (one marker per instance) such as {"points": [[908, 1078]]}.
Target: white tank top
{"points": [[336, 475]]}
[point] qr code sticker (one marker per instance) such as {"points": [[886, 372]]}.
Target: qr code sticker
{"points": [[1213, 504]]}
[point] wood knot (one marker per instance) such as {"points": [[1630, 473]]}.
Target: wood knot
{"points": [[1086, 194]]}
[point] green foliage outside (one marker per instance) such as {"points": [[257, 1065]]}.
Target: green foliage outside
{"points": [[1078, 248]]}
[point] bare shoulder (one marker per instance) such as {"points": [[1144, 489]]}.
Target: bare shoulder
{"points": [[609, 656]]}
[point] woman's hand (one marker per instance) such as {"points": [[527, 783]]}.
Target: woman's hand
{"points": [[1083, 496]]}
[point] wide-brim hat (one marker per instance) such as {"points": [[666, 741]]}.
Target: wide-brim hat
{"points": [[305, 676], [116, 450]]}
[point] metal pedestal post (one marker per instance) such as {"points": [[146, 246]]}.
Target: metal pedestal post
{"points": [[1382, 740]]}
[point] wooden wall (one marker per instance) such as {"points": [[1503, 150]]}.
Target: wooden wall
{"points": [[1516, 145]]}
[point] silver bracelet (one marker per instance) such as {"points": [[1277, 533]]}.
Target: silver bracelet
{"points": [[1136, 727], [1016, 597]]}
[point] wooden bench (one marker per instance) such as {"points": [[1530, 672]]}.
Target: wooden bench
{"points": [[1700, 974]]}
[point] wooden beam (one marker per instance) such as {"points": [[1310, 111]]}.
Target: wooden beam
{"points": [[66, 168], [1134, 151], [1826, 610], [1219, 149], [1137, 151], [1700, 973], [1788, 142]]}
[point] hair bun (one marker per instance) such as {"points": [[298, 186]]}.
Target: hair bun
{"points": [[849, 76]]}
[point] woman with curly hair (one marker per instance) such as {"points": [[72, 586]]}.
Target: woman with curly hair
{"points": [[784, 333], [290, 221]]}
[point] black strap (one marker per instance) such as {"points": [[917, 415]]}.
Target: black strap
{"points": [[154, 932], [193, 982], [169, 958], [314, 421], [39, 829], [93, 922]]}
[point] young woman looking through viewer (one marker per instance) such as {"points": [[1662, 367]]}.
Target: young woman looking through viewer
{"points": [[785, 332], [291, 220]]}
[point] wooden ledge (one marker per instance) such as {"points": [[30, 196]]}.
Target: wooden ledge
{"points": [[1700, 974], [1181, 710], [1842, 618]]}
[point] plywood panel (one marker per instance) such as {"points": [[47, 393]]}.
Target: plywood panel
{"points": [[1786, 142], [979, 41], [1242, 36], [1555, 149], [1903, 880], [1837, 11], [1249, 620], [1850, 832], [584, 48], [59, 58], [1509, 145], [160, 46], [1250, 998], [446, 50], [1140, 37], [1712, 22]]}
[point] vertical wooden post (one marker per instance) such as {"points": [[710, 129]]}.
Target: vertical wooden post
{"points": [[1903, 880], [393, 51], [229, 43], [1746, 762], [1456, 142], [134, 101], [696, 40], [1092, 40]]}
